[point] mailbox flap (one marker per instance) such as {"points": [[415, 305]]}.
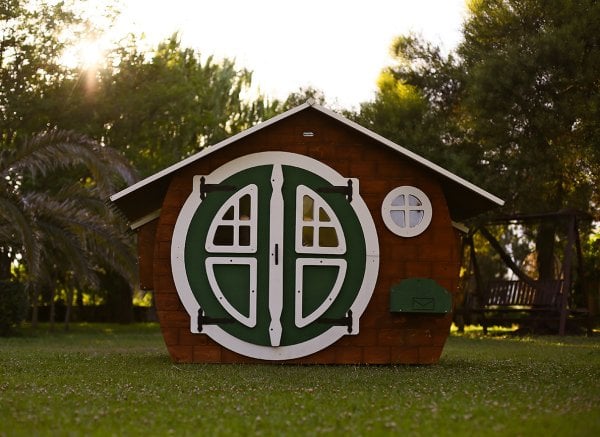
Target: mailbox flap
{"points": [[420, 295]]}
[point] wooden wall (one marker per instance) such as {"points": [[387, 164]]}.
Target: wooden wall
{"points": [[384, 337]]}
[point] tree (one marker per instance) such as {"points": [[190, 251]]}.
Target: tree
{"points": [[300, 96], [533, 94], [417, 105], [30, 49], [160, 107], [532, 102], [515, 109], [54, 183], [156, 108], [63, 233]]}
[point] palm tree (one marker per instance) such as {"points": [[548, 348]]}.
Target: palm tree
{"points": [[54, 215]]}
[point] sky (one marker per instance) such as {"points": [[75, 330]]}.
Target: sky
{"points": [[337, 46]]}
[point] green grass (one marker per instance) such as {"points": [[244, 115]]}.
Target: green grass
{"points": [[119, 380]]}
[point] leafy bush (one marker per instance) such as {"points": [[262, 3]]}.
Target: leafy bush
{"points": [[13, 306]]}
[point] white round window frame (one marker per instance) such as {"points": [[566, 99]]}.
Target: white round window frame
{"points": [[387, 208]]}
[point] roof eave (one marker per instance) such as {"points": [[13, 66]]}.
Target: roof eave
{"points": [[423, 161], [206, 151], [129, 202]]}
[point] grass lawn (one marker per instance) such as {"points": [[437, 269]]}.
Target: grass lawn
{"points": [[119, 380]]}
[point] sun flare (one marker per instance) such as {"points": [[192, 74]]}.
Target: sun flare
{"points": [[88, 54]]}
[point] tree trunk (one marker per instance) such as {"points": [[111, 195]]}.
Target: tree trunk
{"points": [[5, 264], [545, 245], [35, 296], [79, 314], [119, 297], [69, 307], [52, 309]]}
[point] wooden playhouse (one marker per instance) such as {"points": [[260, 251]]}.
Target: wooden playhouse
{"points": [[305, 239]]}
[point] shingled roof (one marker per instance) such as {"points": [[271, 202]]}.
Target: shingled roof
{"points": [[142, 201]]}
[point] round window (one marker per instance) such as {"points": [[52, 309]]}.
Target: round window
{"points": [[406, 211]]}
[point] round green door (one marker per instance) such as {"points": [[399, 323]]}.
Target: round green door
{"points": [[275, 255]]}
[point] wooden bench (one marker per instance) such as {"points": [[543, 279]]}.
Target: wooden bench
{"points": [[517, 300]]}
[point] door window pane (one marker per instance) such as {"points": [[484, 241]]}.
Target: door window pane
{"points": [[318, 230], [234, 226], [244, 236], [308, 236], [245, 208], [328, 237], [323, 216], [308, 209], [223, 236]]}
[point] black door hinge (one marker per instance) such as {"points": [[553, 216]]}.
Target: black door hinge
{"points": [[206, 320], [209, 188], [342, 321], [346, 190]]}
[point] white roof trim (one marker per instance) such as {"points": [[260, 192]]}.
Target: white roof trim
{"points": [[146, 219], [412, 155], [208, 150], [460, 226]]}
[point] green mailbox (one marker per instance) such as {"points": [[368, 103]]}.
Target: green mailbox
{"points": [[420, 295]]}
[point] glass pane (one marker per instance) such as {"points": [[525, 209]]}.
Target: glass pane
{"points": [[415, 217], [308, 233], [328, 237], [244, 236], [308, 205], [229, 214], [224, 236], [245, 212], [398, 218], [414, 201], [323, 216], [398, 201]]}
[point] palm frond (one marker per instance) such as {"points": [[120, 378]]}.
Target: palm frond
{"points": [[95, 234], [64, 230], [55, 150], [18, 232]]}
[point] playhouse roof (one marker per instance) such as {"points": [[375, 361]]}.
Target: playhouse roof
{"points": [[142, 201]]}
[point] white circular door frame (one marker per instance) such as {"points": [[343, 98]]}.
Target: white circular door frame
{"points": [[221, 336]]}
